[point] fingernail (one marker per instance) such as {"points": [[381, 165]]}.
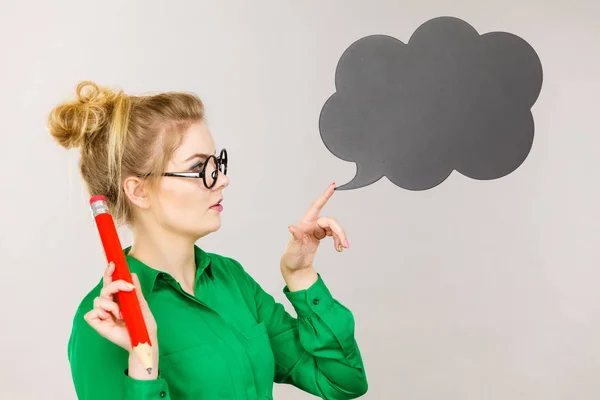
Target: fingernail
{"points": [[347, 244], [120, 315], [130, 286], [340, 248]]}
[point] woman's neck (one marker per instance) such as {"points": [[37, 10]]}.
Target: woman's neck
{"points": [[164, 251]]}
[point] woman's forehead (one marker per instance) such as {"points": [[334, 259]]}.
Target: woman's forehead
{"points": [[196, 142]]}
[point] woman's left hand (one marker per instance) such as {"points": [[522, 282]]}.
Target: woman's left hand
{"points": [[307, 234]]}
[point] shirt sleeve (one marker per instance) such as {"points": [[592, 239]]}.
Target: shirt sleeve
{"points": [[317, 351], [99, 368]]}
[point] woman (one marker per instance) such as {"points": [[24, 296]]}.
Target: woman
{"points": [[216, 334]]}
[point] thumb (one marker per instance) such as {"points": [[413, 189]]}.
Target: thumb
{"points": [[138, 291], [146, 312]]}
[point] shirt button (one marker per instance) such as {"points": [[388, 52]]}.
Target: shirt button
{"points": [[316, 302], [163, 394]]}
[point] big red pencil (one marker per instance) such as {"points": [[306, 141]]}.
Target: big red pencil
{"points": [[128, 301]]}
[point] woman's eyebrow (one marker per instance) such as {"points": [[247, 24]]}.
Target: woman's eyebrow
{"points": [[199, 155]]}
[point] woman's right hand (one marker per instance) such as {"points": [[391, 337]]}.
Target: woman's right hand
{"points": [[106, 317]]}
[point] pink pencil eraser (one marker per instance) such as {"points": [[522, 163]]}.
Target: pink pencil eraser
{"points": [[98, 197]]}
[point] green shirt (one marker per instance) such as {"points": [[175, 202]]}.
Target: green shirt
{"points": [[229, 341]]}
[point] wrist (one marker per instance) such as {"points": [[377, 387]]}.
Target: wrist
{"points": [[301, 279]]}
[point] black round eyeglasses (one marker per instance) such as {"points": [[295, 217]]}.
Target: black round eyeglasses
{"points": [[210, 170]]}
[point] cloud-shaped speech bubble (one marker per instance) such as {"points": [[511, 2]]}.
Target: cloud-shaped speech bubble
{"points": [[450, 99]]}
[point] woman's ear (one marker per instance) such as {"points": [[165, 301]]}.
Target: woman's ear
{"points": [[136, 192]]}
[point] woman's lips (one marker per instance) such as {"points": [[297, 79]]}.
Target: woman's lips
{"points": [[217, 206]]}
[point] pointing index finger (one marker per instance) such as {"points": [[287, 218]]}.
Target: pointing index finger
{"points": [[316, 207]]}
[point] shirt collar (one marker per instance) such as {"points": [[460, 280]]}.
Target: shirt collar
{"points": [[147, 275]]}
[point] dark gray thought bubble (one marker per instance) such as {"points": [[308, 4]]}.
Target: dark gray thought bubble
{"points": [[449, 99]]}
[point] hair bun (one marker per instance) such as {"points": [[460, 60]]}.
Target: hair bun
{"points": [[72, 123]]}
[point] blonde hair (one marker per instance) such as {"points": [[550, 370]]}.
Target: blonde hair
{"points": [[121, 135]]}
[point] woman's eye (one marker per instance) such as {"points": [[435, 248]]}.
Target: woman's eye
{"points": [[197, 167]]}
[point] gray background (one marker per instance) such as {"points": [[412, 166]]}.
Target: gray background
{"points": [[470, 290]]}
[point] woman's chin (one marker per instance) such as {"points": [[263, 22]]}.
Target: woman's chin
{"points": [[207, 229]]}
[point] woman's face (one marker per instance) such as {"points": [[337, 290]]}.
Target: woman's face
{"points": [[185, 205]]}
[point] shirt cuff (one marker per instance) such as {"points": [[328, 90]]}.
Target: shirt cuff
{"points": [[312, 301], [146, 389]]}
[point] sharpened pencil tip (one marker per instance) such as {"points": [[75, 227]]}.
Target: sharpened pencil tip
{"points": [[149, 370]]}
